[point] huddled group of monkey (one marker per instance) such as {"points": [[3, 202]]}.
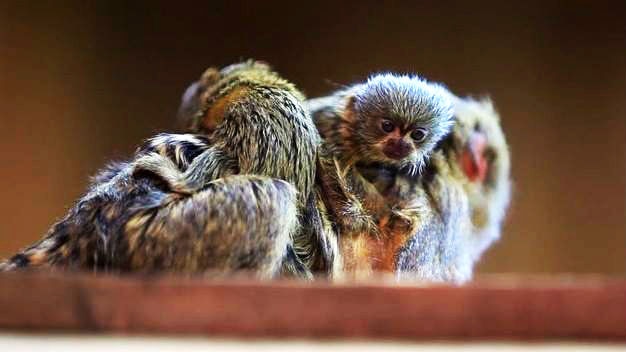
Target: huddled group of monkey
{"points": [[394, 175]]}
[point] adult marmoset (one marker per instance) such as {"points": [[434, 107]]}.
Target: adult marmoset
{"points": [[313, 249], [483, 155], [256, 125], [189, 204]]}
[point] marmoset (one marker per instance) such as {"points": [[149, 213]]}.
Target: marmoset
{"points": [[256, 124], [468, 182], [442, 220], [190, 203], [483, 155], [388, 122], [462, 196], [313, 249]]}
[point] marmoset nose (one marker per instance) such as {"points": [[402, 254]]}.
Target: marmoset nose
{"points": [[398, 149]]}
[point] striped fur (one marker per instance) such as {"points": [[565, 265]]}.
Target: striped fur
{"points": [[346, 236], [133, 223], [257, 125], [189, 204], [350, 123], [458, 218]]}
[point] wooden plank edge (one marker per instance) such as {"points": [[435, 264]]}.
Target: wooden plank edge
{"points": [[588, 309]]}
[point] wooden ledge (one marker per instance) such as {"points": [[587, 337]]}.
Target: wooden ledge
{"points": [[494, 308]]}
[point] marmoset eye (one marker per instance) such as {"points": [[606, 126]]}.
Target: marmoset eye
{"points": [[387, 126], [418, 134]]}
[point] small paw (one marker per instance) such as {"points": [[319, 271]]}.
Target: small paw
{"points": [[405, 220]]}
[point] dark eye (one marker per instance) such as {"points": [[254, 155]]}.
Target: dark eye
{"points": [[387, 126], [418, 134]]}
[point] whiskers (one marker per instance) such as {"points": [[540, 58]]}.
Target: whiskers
{"points": [[413, 167]]}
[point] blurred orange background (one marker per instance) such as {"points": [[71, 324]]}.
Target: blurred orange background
{"points": [[81, 84]]}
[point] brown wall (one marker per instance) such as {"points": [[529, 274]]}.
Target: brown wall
{"points": [[82, 84]]}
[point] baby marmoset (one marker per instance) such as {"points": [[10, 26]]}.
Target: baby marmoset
{"points": [[187, 204], [462, 195], [389, 122]]}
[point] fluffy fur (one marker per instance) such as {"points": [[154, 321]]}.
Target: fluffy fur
{"points": [[371, 126], [194, 204], [313, 249], [489, 198], [256, 124], [357, 230], [352, 117], [127, 223], [464, 213], [434, 225]]}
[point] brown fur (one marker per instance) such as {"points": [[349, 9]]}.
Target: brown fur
{"points": [[192, 205]]}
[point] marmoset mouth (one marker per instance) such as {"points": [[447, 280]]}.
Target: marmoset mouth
{"points": [[398, 150], [473, 160]]}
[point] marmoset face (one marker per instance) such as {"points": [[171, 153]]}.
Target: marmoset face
{"points": [[481, 151], [399, 119], [395, 140], [480, 144]]}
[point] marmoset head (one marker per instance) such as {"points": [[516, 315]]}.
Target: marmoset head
{"points": [[204, 102], [397, 120], [194, 95], [482, 155]]}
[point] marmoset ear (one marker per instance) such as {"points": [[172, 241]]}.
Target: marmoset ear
{"points": [[487, 104], [261, 65], [189, 105], [210, 76], [192, 100], [350, 108]]}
